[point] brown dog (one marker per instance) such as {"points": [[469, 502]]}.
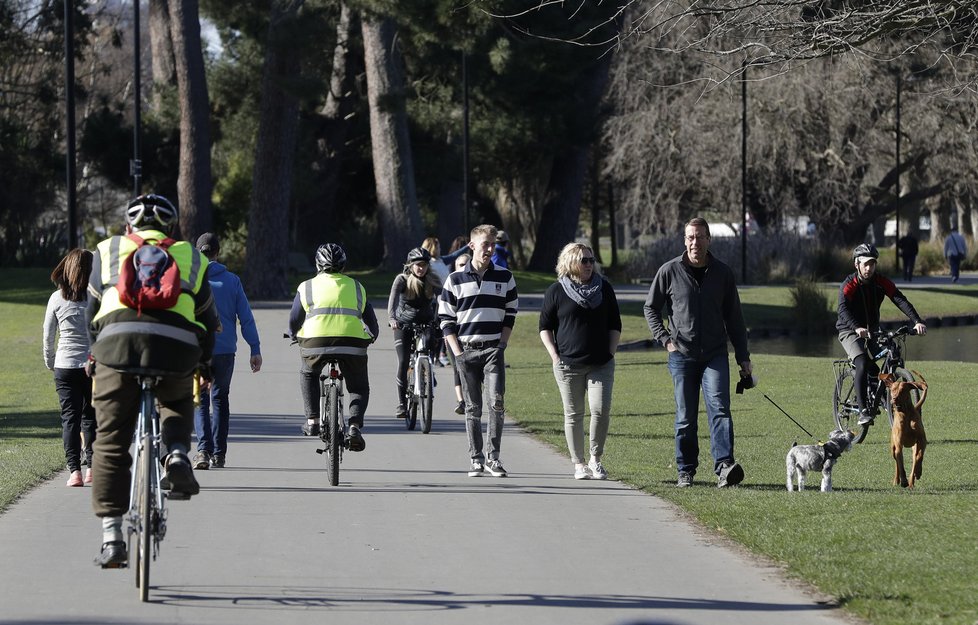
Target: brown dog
{"points": [[908, 427]]}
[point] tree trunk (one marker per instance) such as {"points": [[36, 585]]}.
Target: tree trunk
{"points": [[194, 179], [315, 225], [565, 189], [397, 204], [267, 251], [161, 46]]}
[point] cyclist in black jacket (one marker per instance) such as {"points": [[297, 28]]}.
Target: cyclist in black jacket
{"points": [[860, 297]]}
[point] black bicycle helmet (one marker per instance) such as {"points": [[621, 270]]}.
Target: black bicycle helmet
{"points": [[330, 258], [418, 255], [865, 250], [151, 210]]}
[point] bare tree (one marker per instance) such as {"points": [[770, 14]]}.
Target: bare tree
{"points": [[397, 204], [267, 248], [194, 181]]}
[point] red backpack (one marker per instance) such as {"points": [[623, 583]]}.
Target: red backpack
{"points": [[150, 277]]}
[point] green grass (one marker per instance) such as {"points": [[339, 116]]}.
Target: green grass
{"points": [[888, 555]]}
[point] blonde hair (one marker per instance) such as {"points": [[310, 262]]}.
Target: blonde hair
{"points": [[486, 229], [417, 287], [71, 274], [432, 245], [569, 261]]}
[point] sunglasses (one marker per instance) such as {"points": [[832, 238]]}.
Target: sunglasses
{"points": [[587, 260]]}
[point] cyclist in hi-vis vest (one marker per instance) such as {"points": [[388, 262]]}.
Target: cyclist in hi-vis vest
{"points": [[332, 320], [176, 341]]}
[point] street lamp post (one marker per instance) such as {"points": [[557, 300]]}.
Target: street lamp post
{"points": [[70, 161], [465, 143], [136, 165], [896, 238], [743, 174]]}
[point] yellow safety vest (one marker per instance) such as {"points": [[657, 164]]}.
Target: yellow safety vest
{"points": [[334, 305], [116, 250]]}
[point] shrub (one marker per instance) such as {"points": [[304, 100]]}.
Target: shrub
{"points": [[812, 308]]}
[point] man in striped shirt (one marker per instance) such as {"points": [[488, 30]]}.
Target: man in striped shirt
{"points": [[477, 310]]}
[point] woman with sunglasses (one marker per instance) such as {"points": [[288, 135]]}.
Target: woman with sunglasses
{"points": [[580, 325]]}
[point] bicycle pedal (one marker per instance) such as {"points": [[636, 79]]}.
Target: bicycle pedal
{"points": [[177, 496], [320, 451]]}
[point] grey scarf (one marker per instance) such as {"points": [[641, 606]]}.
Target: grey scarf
{"points": [[586, 295]]}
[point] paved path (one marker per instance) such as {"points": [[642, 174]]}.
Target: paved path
{"points": [[407, 537]]}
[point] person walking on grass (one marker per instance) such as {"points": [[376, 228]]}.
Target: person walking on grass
{"points": [[212, 415], [477, 311], [700, 295], [66, 346], [580, 326]]}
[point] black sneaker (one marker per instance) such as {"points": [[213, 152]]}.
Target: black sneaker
{"points": [[180, 475], [731, 474], [460, 407], [476, 469], [401, 411], [866, 417], [354, 439], [310, 429], [217, 461], [113, 555], [202, 460]]}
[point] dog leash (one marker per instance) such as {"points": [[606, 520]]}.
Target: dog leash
{"points": [[789, 416]]}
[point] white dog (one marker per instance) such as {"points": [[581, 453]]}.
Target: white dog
{"points": [[804, 458]]}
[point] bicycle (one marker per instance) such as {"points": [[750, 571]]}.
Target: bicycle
{"points": [[420, 392], [147, 499], [888, 347], [332, 419]]}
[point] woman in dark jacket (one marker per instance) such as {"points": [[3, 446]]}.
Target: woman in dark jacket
{"points": [[580, 325], [412, 300]]}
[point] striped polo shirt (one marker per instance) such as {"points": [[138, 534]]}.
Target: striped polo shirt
{"points": [[477, 308]]}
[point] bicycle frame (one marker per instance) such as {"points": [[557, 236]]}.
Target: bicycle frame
{"points": [[330, 381], [149, 522]]}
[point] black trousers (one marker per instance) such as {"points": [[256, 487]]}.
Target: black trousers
{"points": [[77, 416]]}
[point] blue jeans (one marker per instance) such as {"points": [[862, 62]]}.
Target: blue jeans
{"points": [[483, 373], [213, 415], [688, 376]]}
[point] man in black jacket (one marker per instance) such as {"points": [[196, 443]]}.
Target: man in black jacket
{"points": [[860, 297], [701, 294]]}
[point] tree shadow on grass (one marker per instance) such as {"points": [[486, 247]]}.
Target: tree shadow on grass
{"points": [[21, 425]]}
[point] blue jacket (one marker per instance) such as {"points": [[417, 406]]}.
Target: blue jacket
{"points": [[233, 307]]}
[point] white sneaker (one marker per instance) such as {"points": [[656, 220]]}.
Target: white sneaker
{"points": [[495, 468], [597, 470], [582, 472]]}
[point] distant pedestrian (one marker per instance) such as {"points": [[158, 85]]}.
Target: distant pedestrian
{"points": [[438, 267], [908, 248], [460, 263], [460, 245], [955, 250], [212, 416], [477, 311], [700, 295], [66, 347], [580, 326], [500, 253]]}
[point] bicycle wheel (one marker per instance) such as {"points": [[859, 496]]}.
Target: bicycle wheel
{"points": [[901, 374], [845, 407], [427, 393], [335, 435], [144, 554], [411, 421]]}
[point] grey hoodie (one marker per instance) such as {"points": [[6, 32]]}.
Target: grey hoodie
{"points": [[701, 317]]}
